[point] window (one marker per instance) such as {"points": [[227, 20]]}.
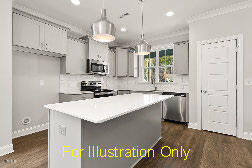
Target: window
{"points": [[165, 65], [158, 66], [150, 62]]}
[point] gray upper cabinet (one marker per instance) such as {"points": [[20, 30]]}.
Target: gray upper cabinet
{"points": [[55, 39], [181, 58], [133, 65], [126, 63], [122, 62], [98, 51], [75, 61], [27, 32], [31, 33]]}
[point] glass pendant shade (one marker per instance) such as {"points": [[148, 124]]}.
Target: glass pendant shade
{"points": [[103, 30], [143, 48]]}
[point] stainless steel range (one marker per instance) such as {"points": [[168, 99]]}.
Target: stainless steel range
{"points": [[96, 87]]}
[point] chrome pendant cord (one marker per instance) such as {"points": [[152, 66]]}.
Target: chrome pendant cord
{"points": [[142, 36], [142, 48], [103, 4]]}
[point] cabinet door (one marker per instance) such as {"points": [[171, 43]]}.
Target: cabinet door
{"points": [[76, 57], [55, 39], [98, 51], [112, 63], [93, 50], [121, 62], [103, 52], [27, 32], [133, 65], [181, 58]]}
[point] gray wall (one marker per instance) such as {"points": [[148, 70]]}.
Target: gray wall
{"points": [[6, 72], [217, 27], [29, 95]]}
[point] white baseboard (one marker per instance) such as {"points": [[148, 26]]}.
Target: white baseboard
{"points": [[247, 136], [244, 135], [4, 150], [31, 130], [152, 146], [193, 126]]}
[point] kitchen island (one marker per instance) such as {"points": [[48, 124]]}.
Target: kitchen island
{"points": [[103, 132]]}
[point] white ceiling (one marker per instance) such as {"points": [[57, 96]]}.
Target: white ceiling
{"points": [[157, 24]]}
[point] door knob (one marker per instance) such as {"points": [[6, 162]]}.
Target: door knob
{"points": [[203, 91]]}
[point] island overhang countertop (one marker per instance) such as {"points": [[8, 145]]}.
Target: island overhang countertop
{"points": [[107, 108]]}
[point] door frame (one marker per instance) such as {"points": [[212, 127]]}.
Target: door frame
{"points": [[240, 80]]}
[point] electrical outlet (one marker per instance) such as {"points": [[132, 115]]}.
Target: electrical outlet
{"points": [[62, 130], [26, 121]]}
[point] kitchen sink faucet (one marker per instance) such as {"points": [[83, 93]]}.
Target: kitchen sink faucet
{"points": [[153, 82]]}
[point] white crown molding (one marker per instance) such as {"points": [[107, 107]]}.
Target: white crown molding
{"points": [[7, 149], [162, 47], [172, 35], [37, 14], [30, 130], [221, 11], [167, 37]]}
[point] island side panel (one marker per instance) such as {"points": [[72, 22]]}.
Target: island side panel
{"points": [[141, 128], [64, 130]]}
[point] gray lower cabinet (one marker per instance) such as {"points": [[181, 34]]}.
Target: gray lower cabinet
{"points": [[181, 58], [74, 97], [123, 92]]}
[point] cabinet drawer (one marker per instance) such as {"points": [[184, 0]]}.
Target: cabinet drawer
{"points": [[77, 97], [88, 96]]}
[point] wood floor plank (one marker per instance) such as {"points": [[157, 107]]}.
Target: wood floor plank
{"points": [[207, 150]]}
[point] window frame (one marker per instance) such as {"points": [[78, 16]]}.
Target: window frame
{"points": [[157, 66]]}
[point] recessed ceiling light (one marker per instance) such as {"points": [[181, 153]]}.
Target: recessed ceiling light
{"points": [[170, 13], [75, 2], [123, 29]]}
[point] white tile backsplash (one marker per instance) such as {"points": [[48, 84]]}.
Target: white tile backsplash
{"points": [[71, 83]]}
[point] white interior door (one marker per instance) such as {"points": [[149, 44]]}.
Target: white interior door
{"points": [[219, 87]]}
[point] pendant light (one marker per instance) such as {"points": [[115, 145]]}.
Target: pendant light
{"points": [[142, 48], [103, 30]]}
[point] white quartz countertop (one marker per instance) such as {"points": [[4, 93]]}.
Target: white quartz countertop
{"points": [[106, 108]]}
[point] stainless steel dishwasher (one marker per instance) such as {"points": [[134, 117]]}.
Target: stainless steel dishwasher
{"points": [[176, 108]]}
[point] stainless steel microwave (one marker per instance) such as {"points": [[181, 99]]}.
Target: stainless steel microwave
{"points": [[97, 67]]}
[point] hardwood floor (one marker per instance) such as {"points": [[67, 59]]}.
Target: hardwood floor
{"points": [[30, 152], [207, 150]]}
